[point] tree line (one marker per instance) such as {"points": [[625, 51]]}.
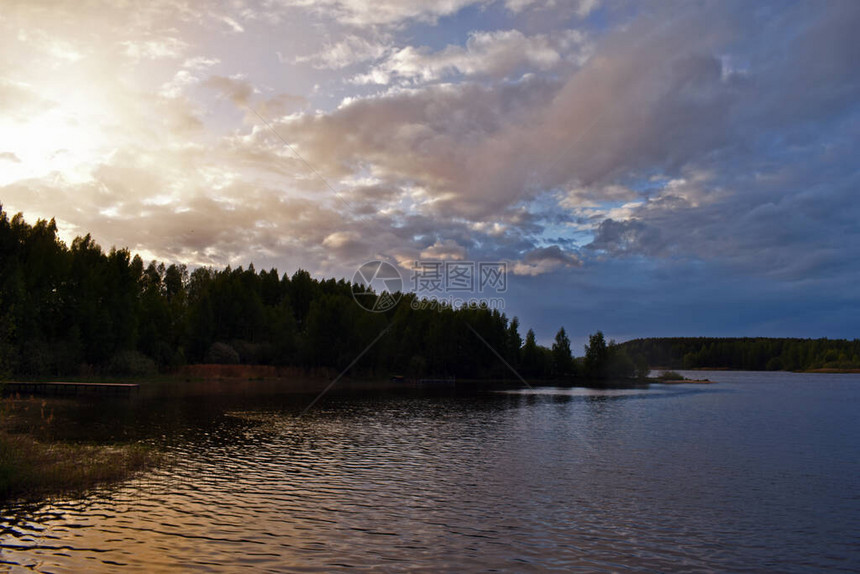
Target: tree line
{"points": [[78, 310], [747, 353]]}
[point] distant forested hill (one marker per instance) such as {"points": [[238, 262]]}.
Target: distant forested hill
{"points": [[755, 354]]}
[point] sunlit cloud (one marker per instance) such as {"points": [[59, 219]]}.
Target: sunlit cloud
{"points": [[567, 138], [544, 260], [351, 50], [497, 54]]}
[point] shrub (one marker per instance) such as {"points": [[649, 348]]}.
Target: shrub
{"points": [[132, 363], [221, 354], [249, 353]]}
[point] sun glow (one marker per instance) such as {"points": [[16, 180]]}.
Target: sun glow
{"points": [[64, 141]]}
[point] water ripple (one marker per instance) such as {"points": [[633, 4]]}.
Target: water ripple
{"points": [[504, 482]]}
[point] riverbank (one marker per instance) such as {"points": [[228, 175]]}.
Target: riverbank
{"points": [[34, 465], [297, 379], [669, 377], [30, 469], [824, 370]]}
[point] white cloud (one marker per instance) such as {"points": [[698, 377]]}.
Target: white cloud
{"points": [[591, 196], [382, 12], [581, 7], [240, 92], [231, 23], [447, 249], [495, 54], [367, 13], [177, 84], [236, 89], [347, 52], [443, 170], [200, 63], [155, 49], [545, 260]]}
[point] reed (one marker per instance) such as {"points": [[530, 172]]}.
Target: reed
{"points": [[33, 468]]}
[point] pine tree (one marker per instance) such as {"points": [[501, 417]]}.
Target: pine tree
{"points": [[562, 359]]}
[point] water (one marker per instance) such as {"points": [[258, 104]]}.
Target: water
{"points": [[759, 473]]}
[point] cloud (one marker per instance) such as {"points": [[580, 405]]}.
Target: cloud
{"points": [[393, 13], [582, 8], [178, 83], [448, 140], [712, 142], [232, 24], [351, 50], [381, 12], [545, 260], [237, 90], [200, 63], [652, 136], [188, 75], [179, 115], [446, 250], [496, 54], [478, 150], [240, 92], [21, 99], [281, 105], [154, 49], [347, 245], [632, 235]]}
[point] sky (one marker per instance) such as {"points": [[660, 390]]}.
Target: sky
{"points": [[643, 168]]}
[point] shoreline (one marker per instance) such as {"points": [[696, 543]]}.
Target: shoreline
{"points": [[197, 373], [36, 466], [824, 370]]}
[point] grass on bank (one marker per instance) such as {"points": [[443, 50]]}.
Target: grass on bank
{"points": [[32, 468], [671, 376]]}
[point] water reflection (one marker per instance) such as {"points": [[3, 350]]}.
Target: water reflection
{"points": [[642, 480]]}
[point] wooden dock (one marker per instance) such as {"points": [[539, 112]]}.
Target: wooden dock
{"points": [[63, 388]]}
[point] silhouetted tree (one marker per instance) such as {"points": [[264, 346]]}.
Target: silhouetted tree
{"points": [[619, 364], [562, 359], [513, 344], [533, 359], [747, 353], [596, 357]]}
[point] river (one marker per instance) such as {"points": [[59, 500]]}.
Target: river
{"points": [[757, 473]]}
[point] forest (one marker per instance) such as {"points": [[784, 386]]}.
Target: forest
{"points": [[747, 353], [78, 310]]}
